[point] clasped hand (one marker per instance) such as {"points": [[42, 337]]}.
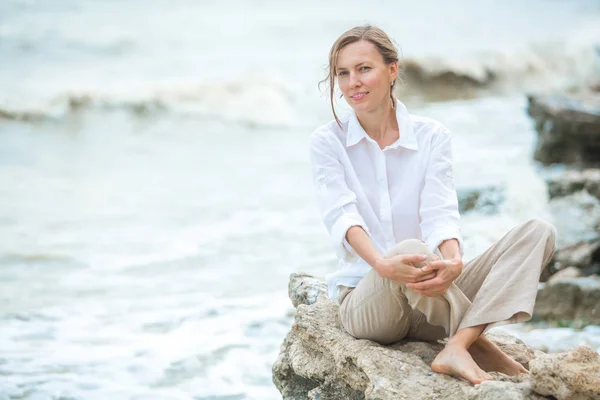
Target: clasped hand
{"points": [[433, 279]]}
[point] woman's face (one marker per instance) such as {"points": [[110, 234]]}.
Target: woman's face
{"points": [[363, 77]]}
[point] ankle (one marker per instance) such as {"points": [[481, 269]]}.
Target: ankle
{"points": [[480, 344], [457, 344]]}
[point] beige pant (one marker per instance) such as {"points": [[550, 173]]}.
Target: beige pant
{"points": [[498, 287]]}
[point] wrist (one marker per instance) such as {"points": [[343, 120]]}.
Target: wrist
{"points": [[458, 266], [380, 265]]}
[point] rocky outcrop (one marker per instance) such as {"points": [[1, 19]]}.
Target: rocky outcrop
{"points": [[577, 221], [570, 182], [567, 376], [318, 360], [570, 301], [568, 129]]}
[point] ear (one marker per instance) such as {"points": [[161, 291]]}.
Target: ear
{"points": [[393, 71]]}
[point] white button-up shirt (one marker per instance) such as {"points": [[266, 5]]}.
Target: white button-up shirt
{"points": [[404, 191]]}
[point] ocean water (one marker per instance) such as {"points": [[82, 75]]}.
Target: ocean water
{"points": [[155, 192]]}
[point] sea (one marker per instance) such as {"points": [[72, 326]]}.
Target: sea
{"points": [[155, 189]]}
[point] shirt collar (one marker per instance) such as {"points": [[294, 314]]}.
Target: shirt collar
{"points": [[407, 138]]}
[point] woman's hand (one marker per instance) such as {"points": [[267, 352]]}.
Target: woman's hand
{"points": [[401, 269], [447, 272]]}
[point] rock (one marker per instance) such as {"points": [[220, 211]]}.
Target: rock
{"points": [[573, 181], [573, 375], [567, 273], [486, 200], [318, 360], [305, 289], [584, 256], [577, 221], [568, 129], [575, 301], [514, 347], [443, 79]]}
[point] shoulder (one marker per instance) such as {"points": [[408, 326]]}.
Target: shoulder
{"points": [[428, 126], [430, 132], [329, 134]]}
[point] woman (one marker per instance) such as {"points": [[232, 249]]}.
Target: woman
{"points": [[385, 187]]}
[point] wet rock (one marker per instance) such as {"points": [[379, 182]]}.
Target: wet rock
{"points": [[318, 360], [573, 181], [571, 301], [577, 221], [568, 128], [568, 376], [584, 255], [567, 273], [486, 200]]}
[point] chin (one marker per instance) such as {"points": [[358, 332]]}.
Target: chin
{"points": [[362, 106]]}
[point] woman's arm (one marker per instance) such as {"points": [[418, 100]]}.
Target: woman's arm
{"points": [[398, 268], [340, 214], [337, 203], [450, 249], [447, 269], [440, 219]]}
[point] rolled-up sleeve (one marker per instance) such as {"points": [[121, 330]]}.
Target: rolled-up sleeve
{"points": [[440, 219], [337, 202]]}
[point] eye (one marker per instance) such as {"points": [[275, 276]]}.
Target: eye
{"points": [[364, 68], [341, 73]]}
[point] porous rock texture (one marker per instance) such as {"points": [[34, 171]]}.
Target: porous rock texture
{"points": [[318, 360], [573, 375]]}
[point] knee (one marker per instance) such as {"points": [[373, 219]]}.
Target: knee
{"points": [[543, 231], [409, 246], [541, 227]]}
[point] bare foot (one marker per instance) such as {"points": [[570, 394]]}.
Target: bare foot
{"points": [[456, 361], [490, 358]]}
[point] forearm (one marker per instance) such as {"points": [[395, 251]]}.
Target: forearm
{"points": [[450, 249], [363, 246]]}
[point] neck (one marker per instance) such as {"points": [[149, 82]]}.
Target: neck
{"points": [[380, 124]]}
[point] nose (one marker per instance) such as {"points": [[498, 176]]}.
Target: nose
{"points": [[354, 81]]}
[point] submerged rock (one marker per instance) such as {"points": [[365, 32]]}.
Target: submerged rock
{"points": [[568, 129], [573, 375], [318, 360], [486, 200]]}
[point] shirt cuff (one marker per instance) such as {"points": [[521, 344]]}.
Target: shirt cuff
{"points": [[436, 238], [338, 235]]}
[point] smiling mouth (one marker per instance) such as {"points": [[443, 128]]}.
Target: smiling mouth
{"points": [[358, 96]]}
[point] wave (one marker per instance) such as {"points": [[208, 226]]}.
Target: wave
{"points": [[262, 103], [570, 65]]}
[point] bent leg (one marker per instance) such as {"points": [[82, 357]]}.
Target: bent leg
{"points": [[441, 311], [502, 282], [375, 310], [385, 311]]}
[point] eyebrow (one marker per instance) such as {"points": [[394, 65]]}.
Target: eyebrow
{"points": [[357, 65]]}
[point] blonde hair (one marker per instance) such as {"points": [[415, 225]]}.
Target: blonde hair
{"points": [[373, 34]]}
